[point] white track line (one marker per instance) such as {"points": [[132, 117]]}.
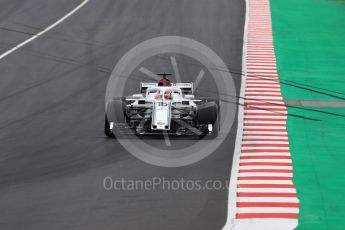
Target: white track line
{"points": [[267, 199], [266, 154], [268, 210], [43, 31], [232, 196], [266, 160], [289, 182], [265, 122], [245, 174], [265, 224], [266, 167], [253, 141], [257, 190]]}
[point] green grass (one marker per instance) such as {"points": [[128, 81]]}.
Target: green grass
{"points": [[310, 46], [318, 152], [309, 40]]}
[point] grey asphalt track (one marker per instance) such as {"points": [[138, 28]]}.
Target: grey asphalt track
{"points": [[53, 154]]}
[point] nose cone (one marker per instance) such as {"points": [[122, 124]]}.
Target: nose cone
{"points": [[161, 115]]}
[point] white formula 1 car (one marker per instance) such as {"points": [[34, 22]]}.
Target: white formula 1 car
{"points": [[158, 109]]}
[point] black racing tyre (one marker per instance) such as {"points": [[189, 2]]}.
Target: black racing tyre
{"points": [[215, 130], [207, 113], [107, 130], [115, 111], [215, 127]]}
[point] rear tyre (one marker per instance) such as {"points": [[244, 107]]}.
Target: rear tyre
{"points": [[215, 127], [208, 113]]}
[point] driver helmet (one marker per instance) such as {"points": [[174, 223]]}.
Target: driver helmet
{"points": [[167, 94]]}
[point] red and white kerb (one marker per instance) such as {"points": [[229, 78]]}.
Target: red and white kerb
{"points": [[266, 196]]}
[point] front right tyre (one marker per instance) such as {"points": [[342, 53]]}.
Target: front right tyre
{"points": [[107, 131]]}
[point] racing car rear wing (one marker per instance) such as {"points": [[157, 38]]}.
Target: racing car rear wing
{"points": [[187, 88]]}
